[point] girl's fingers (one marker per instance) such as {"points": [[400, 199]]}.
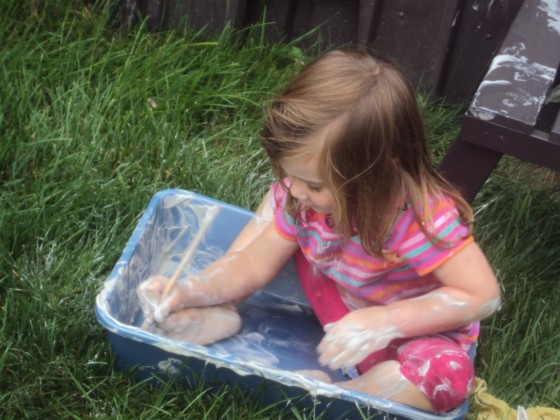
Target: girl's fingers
{"points": [[334, 354], [150, 293], [153, 286], [169, 304]]}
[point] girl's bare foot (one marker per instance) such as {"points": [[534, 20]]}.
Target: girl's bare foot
{"points": [[315, 374], [201, 326], [196, 325]]}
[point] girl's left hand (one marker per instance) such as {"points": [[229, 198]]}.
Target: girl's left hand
{"points": [[355, 336]]}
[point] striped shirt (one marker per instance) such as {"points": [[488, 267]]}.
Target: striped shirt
{"points": [[366, 280]]}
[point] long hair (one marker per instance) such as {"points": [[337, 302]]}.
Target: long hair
{"points": [[359, 114]]}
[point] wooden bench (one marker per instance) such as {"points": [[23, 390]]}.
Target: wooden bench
{"points": [[515, 110]]}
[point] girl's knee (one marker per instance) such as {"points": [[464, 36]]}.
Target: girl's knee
{"points": [[440, 369], [431, 373]]}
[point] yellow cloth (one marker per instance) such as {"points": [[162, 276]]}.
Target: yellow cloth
{"points": [[486, 406]]}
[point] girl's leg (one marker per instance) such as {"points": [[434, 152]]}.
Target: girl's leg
{"points": [[431, 373], [385, 380], [201, 326]]}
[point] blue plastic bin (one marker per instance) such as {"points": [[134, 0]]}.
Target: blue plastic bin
{"points": [[279, 334]]}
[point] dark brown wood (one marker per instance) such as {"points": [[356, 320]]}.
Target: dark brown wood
{"points": [[522, 72], [535, 147], [416, 34], [277, 15], [555, 131], [153, 10], [481, 28], [445, 45], [368, 21], [127, 12], [503, 117], [210, 16], [467, 166], [335, 21]]}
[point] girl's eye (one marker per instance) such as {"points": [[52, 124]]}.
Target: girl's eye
{"points": [[314, 188]]}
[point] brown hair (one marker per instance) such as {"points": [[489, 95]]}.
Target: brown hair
{"points": [[372, 148]]}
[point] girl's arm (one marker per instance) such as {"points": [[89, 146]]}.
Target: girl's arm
{"points": [[252, 261], [258, 223], [469, 292]]}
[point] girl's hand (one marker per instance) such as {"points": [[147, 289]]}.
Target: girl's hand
{"points": [[469, 292], [150, 294], [196, 325], [351, 339], [230, 278]]}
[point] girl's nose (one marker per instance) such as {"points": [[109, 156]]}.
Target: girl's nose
{"points": [[298, 190]]}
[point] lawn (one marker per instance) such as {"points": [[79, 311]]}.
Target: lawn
{"points": [[93, 123]]}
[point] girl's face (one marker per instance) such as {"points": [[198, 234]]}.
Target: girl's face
{"points": [[307, 187]]}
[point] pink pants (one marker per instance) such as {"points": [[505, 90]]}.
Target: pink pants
{"points": [[442, 371]]}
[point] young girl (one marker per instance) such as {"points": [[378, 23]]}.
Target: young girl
{"points": [[397, 280]]}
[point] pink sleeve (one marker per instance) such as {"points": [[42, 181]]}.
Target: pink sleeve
{"points": [[418, 250], [283, 222]]}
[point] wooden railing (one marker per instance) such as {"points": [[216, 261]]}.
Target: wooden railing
{"points": [[501, 56], [445, 46]]}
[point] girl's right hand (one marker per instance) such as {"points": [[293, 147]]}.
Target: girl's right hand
{"points": [[152, 290]]}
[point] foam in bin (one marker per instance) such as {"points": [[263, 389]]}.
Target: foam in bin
{"points": [[279, 332]]}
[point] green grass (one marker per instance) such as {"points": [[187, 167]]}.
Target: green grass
{"points": [[519, 228], [93, 123]]}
